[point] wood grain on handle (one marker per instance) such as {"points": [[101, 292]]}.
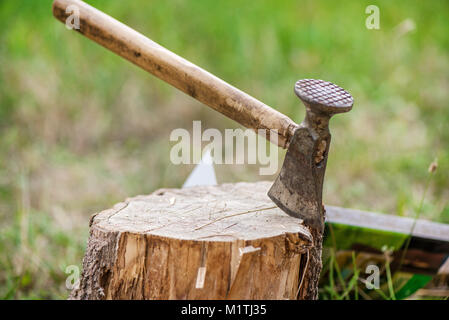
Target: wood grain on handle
{"points": [[177, 71]]}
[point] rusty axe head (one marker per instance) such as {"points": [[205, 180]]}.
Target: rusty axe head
{"points": [[298, 188]]}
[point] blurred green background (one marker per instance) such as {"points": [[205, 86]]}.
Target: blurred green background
{"points": [[82, 129]]}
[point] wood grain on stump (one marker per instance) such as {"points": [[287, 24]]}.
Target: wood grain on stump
{"points": [[211, 242]]}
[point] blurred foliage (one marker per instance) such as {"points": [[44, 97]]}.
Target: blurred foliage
{"points": [[82, 129]]}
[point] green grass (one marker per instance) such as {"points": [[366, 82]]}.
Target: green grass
{"points": [[81, 129]]}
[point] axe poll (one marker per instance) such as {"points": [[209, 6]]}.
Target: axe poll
{"points": [[298, 188]]}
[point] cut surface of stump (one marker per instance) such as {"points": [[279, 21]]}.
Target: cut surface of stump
{"points": [[210, 242]]}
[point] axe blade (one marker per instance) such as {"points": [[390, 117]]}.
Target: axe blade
{"points": [[298, 189]]}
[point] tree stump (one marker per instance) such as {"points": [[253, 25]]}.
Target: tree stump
{"points": [[211, 242]]}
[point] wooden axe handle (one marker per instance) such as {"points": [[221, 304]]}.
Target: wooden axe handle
{"points": [[177, 71]]}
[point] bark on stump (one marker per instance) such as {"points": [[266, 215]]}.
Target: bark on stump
{"points": [[215, 242]]}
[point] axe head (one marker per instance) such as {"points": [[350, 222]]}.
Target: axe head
{"points": [[298, 188]]}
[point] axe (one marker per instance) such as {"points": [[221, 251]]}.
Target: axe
{"points": [[298, 188]]}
